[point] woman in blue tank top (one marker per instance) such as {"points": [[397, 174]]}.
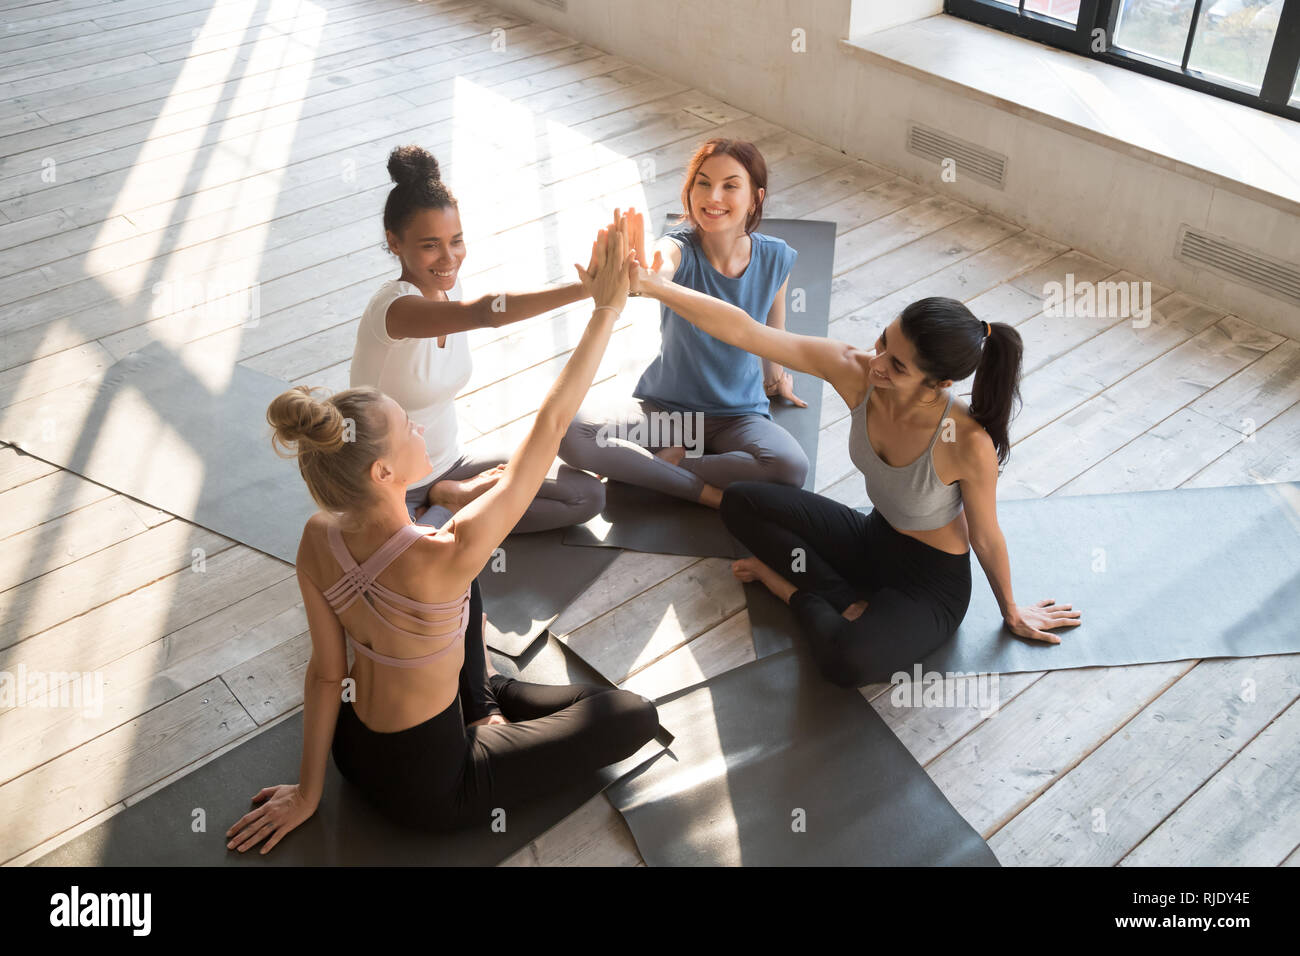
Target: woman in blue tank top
{"points": [[698, 419], [874, 594]]}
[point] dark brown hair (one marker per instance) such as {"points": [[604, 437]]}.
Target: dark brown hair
{"points": [[416, 174], [950, 344]]}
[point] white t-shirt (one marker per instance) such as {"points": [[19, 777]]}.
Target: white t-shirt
{"points": [[421, 377]]}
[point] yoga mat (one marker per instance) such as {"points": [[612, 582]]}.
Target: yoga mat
{"points": [[184, 431], [345, 830], [1158, 576], [773, 766], [532, 580], [641, 520]]}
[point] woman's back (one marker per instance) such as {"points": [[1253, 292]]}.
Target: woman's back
{"points": [[394, 606]]}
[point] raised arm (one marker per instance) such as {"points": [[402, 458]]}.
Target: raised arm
{"points": [[416, 317], [480, 526], [839, 363]]}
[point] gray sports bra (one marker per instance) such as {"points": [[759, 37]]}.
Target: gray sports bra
{"points": [[911, 498]]}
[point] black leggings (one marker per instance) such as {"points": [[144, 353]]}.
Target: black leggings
{"points": [[916, 595], [441, 774]]}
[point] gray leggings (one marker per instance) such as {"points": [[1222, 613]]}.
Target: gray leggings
{"points": [[567, 496], [618, 442]]}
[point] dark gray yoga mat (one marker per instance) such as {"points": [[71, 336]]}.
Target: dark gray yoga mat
{"points": [[641, 520], [1158, 576], [771, 765], [183, 431], [534, 578], [345, 830]]}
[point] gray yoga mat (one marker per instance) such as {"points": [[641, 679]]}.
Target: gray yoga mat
{"points": [[773, 766], [345, 830], [181, 430], [534, 578], [641, 520], [1158, 576]]}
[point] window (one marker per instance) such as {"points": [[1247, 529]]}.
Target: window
{"points": [[1247, 51]]}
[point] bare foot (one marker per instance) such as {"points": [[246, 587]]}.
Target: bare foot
{"points": [[711, 496], [752, 569], [454, 495], [854, 610], [673, 455]]}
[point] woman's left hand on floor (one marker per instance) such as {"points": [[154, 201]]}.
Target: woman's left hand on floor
{"points": [[1033, 621], [784, 388], [282, 808]]}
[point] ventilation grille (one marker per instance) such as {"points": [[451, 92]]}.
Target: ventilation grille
{"points": [[971, 159], [1235, 261], [562, 5]]}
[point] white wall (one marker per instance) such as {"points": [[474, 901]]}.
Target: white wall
{"points": [[1102, 200]]}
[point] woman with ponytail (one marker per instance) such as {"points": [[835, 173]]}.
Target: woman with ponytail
{"points": [[875, 593], [421, 723], [412, 346]]}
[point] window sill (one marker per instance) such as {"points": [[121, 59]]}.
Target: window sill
{"points": [[1219, 142]]}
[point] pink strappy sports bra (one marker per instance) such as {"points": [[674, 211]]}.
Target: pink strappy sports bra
{"points": [[359, 579]]}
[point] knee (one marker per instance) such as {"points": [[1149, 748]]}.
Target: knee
{"points": [[578, 438], [588, 498], [790, 468], [736, 504], [634, 717]]}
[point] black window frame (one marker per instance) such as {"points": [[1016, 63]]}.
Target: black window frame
{"points": [[1279, 76]]}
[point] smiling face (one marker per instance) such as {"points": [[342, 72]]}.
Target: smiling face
{"points": [[722, 196], [432, 247], [894, 365], [408, 456]]}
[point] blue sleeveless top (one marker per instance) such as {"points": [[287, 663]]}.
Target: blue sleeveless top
{"points": [[910, 497], [694, 372]]}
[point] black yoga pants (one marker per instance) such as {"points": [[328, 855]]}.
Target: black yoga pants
{"points": [[441, 774], [916, 595]]}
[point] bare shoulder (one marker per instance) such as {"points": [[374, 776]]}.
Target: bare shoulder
{"points": [[973, 448], [313, 546], [427, 568]]}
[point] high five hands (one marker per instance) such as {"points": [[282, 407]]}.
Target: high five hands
{"points": [[605, 279]]}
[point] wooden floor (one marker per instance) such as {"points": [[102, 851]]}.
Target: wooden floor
{"points": [[187, 141]]}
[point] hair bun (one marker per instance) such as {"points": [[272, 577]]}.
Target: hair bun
{"points": [[302, 423], [412, 164]]}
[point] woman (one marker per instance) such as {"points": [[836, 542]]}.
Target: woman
{"points": [[412, 346], [699, 391], [436, 740], [875, 593]]}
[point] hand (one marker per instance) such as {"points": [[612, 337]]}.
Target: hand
{"points": [[642, 280], [608, 285], [1034, 621], [282, 809], [635, 224], [488, 720], [783, 387]]}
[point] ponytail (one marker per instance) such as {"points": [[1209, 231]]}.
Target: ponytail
{"points": [[951, 343]]}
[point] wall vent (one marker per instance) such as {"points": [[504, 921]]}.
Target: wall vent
{"points": [[1239, 263], [561, 5], [971, 159]]}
